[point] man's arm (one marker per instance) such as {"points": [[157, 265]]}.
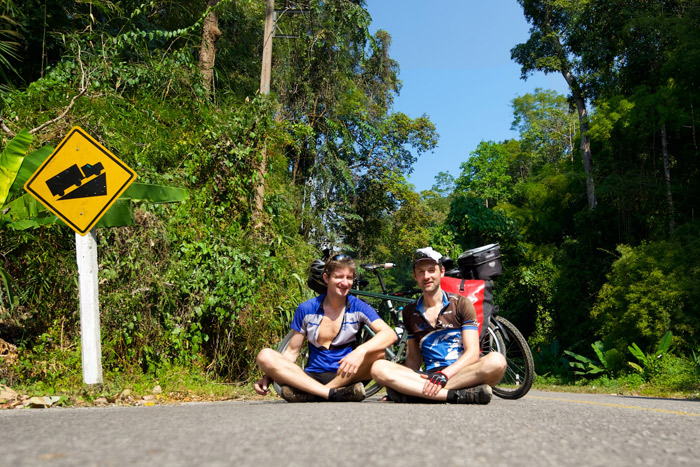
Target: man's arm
{"points": [[414, 359], [292, 351], [384, 336]]}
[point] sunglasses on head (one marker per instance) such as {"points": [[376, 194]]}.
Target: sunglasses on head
{"points": [[340, 257]]}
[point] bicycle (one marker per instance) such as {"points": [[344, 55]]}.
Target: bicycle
{"points": [[497, 334]]}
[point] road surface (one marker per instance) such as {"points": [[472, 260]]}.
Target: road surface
{"points": [[542, 429]]}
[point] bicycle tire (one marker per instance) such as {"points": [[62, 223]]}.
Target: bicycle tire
{"points": [[371, 387], [492, 341], [520, 372]]}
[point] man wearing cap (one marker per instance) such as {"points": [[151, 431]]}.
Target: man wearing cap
{"points": [[442, 333]]}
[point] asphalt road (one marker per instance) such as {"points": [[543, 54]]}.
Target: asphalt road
{"points": [[542, 429]]}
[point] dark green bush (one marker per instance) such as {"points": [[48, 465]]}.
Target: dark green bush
{"points": [[652, 288]]}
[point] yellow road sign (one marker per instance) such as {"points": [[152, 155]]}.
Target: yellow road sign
{"points": [[80, 180]]}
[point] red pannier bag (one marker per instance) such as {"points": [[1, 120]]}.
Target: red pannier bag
{"points": [[479, 292]]}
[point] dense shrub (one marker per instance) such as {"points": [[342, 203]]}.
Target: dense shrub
{"points": [[652, 288]]}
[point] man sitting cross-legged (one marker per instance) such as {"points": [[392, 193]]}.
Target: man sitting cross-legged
{"points": [[331, 323], [443, 334]]}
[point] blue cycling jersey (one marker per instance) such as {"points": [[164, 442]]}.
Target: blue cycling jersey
{"points": [[307, 318], [441, 345]]}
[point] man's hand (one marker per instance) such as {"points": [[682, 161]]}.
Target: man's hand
{"points": [[350, 364], [262, 385], [434, 383]]}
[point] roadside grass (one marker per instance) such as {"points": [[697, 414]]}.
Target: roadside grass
{"points": [[179, 384], [172, 386], [628, 385]]}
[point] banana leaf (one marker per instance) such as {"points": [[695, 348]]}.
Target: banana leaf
{"points": [[158, 194], [33, 223], [26, 212], [6, 285], [24, 207], [11, 161], [29, 166], [120, 214]]}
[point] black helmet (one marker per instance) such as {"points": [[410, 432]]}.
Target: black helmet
{"points": [[315, 280], [451, 269]]}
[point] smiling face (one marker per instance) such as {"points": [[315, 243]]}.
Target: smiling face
{"points": [[428, 274], [339, 281]]}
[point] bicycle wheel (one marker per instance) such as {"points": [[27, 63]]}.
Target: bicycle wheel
{"points": [[520, 372], [491, 341], [371, 386]]}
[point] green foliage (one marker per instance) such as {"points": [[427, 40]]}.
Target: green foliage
{"points": [[10, 162], [477, 225], [651, 289], [484, 175], [649, 364], [549, 360], [677, 374], [547, 127], [696, 361], [609, 361], [9, 39]]}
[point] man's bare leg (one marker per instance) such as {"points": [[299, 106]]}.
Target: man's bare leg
{"points": [[403, 380], [282, 371], [489, 369], [363, 373]]}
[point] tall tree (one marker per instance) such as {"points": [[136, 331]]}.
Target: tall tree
{"points": [[638, 53], [485, 174], [337, 85], [549, 49], [546, 125]]}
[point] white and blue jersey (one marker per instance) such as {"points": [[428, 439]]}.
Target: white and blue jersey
{"points": [[307, 318], [441, 345]]}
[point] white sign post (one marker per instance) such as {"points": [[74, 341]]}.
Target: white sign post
{"points": [[79, 182], [86, 256]]}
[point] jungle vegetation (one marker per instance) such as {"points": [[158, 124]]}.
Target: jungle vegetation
{"points": [[593, 204]]}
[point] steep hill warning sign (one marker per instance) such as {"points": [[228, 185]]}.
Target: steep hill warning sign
{"points": [[80, 180]]}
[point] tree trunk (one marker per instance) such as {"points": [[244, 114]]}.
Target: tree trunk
{"points": [[667, 178], [265, 75], [207, 53], [586, 154], [585, 145], [266, 72]]}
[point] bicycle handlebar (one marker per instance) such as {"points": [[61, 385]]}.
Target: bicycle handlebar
{"points": [[372, 267]]}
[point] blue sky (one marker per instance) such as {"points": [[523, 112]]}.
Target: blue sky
{"points": [[456, 68]]}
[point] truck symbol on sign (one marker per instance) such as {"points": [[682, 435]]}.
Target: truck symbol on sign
{"points": [[72, 176]]}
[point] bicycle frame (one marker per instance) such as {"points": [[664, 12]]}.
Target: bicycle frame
{"points": [[395, 352]]}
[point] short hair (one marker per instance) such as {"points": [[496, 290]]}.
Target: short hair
{"points": [[340, 261]]}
